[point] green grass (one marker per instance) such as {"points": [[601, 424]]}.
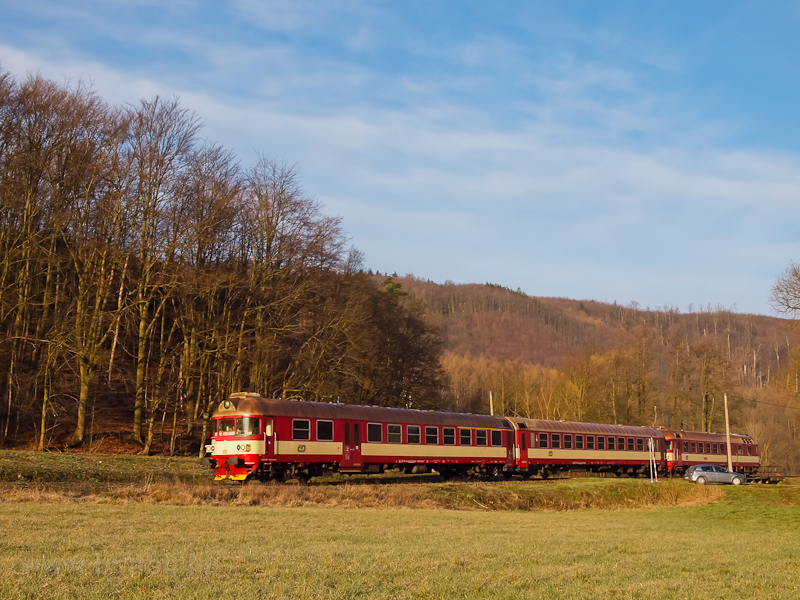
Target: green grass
{"points": [[152, 527], [745, 545], [70, 467]]}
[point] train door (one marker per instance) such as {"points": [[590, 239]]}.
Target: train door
{"points": [[522, 444], [351, 457], [269, 449], [510, 448]]}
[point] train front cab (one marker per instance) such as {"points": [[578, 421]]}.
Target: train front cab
{"points": [[240, 442]]}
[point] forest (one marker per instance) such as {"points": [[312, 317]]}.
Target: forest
{"points": [[146, 273]]}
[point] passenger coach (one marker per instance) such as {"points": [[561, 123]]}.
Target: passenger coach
{"points": [[687, 448], [546, 447]]}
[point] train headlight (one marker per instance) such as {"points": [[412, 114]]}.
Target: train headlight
{"points": [[212, 448]]}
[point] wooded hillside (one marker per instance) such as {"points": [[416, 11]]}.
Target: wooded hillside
{"points": [[591, 361]]}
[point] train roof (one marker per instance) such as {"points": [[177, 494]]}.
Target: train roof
{"points": [[701, 436], [585, 428], [254, 404]]}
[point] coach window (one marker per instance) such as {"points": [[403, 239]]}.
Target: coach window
{"points": [[750, 450], [620, 443], [694, 447], [301, 429], [449, 436], [740, 449], [590, 442], [374, 433], [431, 435], [611, 442], [567, 441], [715, 448], [630, 445], [542, 440], [556, 440], [465, 437], [601, 443], [497, 438], [394, 434], [413, 434], [480, 437], [324, 431], [639, 444], [685, 446]]}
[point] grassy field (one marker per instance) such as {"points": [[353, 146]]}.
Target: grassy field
{"points": [[120, 540]]}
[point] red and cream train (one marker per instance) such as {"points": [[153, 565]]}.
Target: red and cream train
{"points": [[260, 438]]}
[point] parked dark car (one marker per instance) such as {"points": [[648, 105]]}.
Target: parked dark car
{"points": [[703, 474]]}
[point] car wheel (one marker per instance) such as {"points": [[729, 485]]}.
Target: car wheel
{"points": [[737, 481], [701, 481]]}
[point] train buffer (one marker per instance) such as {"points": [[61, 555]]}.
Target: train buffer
{"points": [[766, 474]]}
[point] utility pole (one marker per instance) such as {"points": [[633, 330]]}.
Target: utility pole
{"points": [[728, 435], [491, 403]]}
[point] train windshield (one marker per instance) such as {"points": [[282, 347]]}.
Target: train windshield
{"points": [[225, 427], [247, 426]]}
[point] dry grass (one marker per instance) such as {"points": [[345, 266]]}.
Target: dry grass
{"points": [[496, 496]]}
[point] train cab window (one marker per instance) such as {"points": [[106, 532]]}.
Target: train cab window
{"points": [[449, 436], [324, 431], [247, 426], [590, 442], [497, 438], [413, 434], [630, 444], [620, 443], [556, 440], [226, 427], [431, 435], [542, 440], [601, 443], [301, 429], [715, 448], [394, 434], [465, 437], [639, 444], [374, 433], [579, 442], [611, 442], [480, 437], [694, 447], [567, 441]]}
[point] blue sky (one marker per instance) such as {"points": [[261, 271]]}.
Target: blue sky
{"points": [[641, 152]]}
